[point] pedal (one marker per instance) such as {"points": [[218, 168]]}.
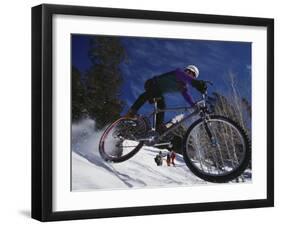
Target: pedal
{"points": [[163, 144]]}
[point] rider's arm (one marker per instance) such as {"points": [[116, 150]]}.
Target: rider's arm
{"points": [[187, 97], [182, 77]]}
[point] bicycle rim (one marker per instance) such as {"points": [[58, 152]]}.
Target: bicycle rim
{"points": [[115, 146], [222, 161]]}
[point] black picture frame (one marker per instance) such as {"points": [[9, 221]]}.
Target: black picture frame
{"points": [[42, 107]]}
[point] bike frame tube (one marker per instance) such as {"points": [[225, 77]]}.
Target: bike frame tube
{"points": [[154, 116], [175, 109], [176, 125]]}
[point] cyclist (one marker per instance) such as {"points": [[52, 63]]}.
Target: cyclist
{"points": [[173, 157], [168, 158], [159, 159], [177, 80]]}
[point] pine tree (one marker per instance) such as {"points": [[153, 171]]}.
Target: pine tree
{"points": [[78, 96], [104, 80]]}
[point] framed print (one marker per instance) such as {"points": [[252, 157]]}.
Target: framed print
{"points": [[145, 112]]}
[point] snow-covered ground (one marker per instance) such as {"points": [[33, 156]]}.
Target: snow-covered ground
{"points": [[90, 171]]}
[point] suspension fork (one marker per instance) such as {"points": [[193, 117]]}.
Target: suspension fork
{"points": [[209, 133], [205, 118]]}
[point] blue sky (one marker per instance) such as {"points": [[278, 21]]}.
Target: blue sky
{"points": [[148, 57]]}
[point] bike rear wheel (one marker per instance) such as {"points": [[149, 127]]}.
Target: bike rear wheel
{"points": [[222, 158], [119, 141]]}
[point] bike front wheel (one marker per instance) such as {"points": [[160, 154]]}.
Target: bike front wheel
{"points": [[216, 150], [119, 141]]}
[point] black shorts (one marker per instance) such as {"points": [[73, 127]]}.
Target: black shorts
{"points": [[152, 89]]}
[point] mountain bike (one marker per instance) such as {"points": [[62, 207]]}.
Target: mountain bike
{"points": [[215, 148]]}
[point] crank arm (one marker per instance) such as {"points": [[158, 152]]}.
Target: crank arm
{"points": [[162, 144]]}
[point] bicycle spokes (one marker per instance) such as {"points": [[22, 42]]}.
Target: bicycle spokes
{"points": [[120, 141], [215, 147]]}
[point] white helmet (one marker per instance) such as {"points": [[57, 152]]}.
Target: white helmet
{"points": [[194, 69]]}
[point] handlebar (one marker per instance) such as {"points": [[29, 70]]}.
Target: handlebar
{"points": [[205, 93], [208, 82], [202, 102]]}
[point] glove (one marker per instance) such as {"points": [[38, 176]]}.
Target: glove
{"points": [[200, 85]]}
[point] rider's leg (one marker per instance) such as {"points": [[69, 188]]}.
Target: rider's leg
{"points": [[140, 101], [149, 87], [160, 116]]}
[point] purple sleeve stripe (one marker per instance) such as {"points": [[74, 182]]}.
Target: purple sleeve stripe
{"points": [[187, 97], [181, 76]]}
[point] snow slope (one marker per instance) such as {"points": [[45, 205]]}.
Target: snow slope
{"points": [[90, 171]]}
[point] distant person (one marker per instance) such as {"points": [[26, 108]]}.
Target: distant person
{"points": [[174, 81], [173, 157], [168, 160], [159, 159]]}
